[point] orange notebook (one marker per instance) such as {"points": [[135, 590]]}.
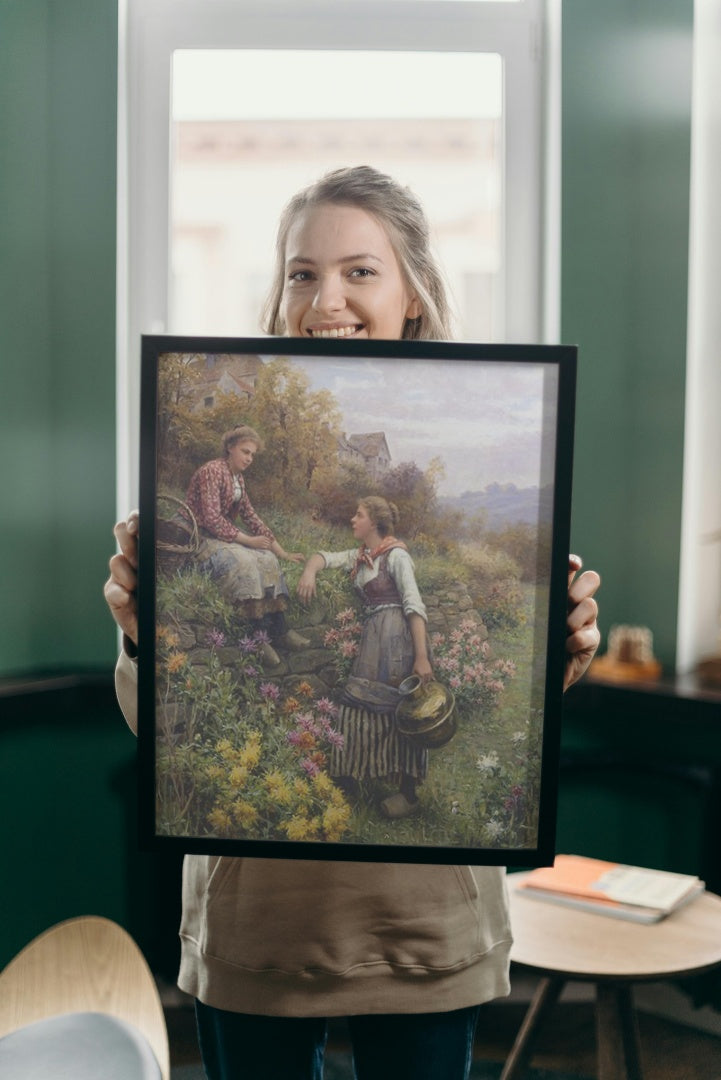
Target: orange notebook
{"points": [[631, 892]]}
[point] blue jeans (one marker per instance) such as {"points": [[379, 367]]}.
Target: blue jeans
{"points": [[414, 1046]]}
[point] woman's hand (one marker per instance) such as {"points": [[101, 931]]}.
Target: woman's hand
{"points": [[289, 556], [258, 543], [583, 635], [306, 582], [422, 668], [306, 585], [121, 587]]}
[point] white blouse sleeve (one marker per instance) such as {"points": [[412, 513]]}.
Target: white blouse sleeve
{"points": [[400, 565], [340, 560]]}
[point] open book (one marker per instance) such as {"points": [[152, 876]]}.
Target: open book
{"points": [[608, 888]]}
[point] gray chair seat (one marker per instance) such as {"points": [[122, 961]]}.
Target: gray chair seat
{"points": [[78, 1046]]}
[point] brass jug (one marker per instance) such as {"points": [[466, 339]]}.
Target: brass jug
{"points": [[426, 712]]}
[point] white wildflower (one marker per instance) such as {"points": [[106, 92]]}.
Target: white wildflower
{"points": [[488, 762], [494, 829]]}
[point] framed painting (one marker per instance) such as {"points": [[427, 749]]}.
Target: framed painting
{"points": [[352, 597]]}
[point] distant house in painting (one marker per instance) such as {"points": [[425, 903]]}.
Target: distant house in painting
{"points": [[370, 450], [225, 373]]}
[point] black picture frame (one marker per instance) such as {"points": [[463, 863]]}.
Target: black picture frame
{"points": [[240, 756]]}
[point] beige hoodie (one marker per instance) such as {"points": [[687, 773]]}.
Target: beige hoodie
{"points": [[286, 937]]}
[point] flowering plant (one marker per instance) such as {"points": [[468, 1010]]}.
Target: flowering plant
{"points": [[343, 640], [266, 787], [463, 659], [236, 758]]}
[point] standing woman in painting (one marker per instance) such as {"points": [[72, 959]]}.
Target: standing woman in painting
{"points": [[393, 645], [272, 948]]}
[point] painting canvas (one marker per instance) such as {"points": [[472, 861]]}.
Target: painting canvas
{"points": [[352, 597]]}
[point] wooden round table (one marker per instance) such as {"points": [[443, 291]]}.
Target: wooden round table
{"points": [[562, 944]]}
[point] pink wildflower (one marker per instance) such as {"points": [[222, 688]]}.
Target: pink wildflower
{"points": [[325, 705]]}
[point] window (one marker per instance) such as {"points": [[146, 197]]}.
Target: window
{"points": [[236, 158], [447, 95]]}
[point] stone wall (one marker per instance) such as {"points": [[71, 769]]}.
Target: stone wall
{"points": [[313, 663]]}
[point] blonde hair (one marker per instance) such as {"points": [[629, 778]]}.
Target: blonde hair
{"points": [[402, 216], [383, 514]]}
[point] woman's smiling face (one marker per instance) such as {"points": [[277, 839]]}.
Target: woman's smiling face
{"points": [[342, 277]]}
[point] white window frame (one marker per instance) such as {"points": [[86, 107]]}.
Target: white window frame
{"points": [[526, 34]]}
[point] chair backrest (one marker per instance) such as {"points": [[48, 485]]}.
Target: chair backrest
{"points": [[87, 964]]}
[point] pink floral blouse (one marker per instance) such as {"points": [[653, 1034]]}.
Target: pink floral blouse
{"points": [[215, 503]]}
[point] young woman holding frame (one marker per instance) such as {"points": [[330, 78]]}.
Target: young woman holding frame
{"points": [[272, 948]]}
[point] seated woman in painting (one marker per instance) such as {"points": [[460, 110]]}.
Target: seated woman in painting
{"points": [[244, 561]]}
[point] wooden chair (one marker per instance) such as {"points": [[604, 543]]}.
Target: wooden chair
{"points": [[82, 980]]}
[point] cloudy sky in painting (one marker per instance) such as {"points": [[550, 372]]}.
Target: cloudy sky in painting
{"points": [[483, 419]]}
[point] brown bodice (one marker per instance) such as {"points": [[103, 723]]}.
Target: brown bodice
{"points": [[382, 588]]}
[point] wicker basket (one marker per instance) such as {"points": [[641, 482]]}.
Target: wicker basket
{"points": [[176, 538]]}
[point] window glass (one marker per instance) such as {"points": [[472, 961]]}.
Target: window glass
{"points": [[251, 127]]}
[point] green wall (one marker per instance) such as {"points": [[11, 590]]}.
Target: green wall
{"points": [[625, 200], [57, 330]]}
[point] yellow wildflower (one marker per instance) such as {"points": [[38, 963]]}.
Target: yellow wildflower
{"points": [[301, 788], [278, 789], [335, 820], [298, 828], [249, 756], [223, 746], [214, 772], [219, 819], [323, 783], [244, 813], [176, 661], [238, 776], [337, 798]]}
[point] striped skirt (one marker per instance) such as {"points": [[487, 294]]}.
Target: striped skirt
{"points": [[374, 748]]}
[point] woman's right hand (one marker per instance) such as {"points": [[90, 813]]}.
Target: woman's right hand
{"points": [[259, 543], [121, 587]]}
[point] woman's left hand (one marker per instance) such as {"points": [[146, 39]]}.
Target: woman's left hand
{"points": [[583, 635]]}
